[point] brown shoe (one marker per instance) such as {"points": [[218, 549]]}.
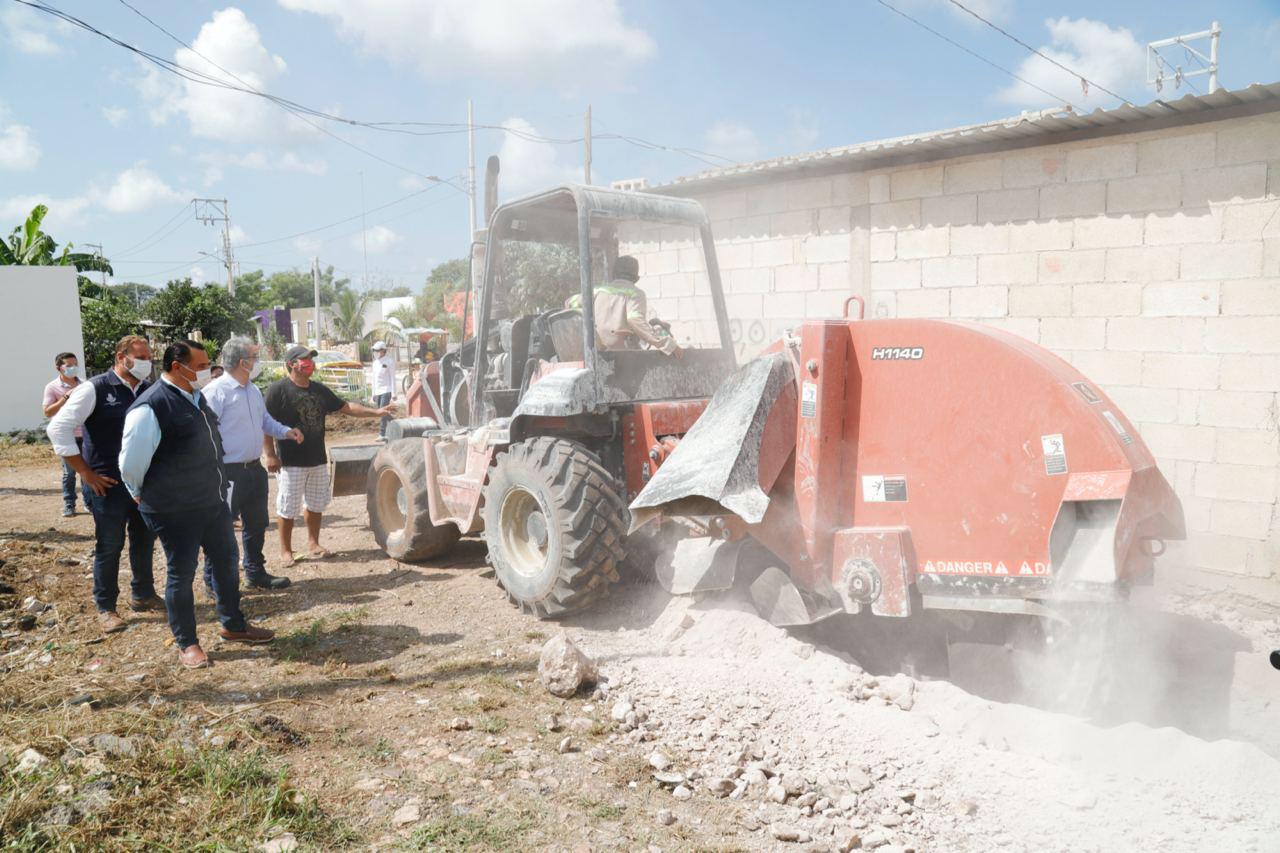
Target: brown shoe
{"points": [[193, 657], [250, 634], [111, 623], [152, 603]]}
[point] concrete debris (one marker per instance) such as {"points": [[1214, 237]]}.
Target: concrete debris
{"points": [[658, 760], [899, 690], [566, 745], [460, 724], [114, 746], [563, 668], [664, 817], [33, 605], [30, 760], [682, 793], [720, 787], [286, 843], [790, 834], [406, 814]]}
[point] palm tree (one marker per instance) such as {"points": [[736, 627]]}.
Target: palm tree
{"points": [[348, 315], [27, 245]]}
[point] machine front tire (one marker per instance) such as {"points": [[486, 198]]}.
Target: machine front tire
{"points": [[397, 503], [554, 523]]}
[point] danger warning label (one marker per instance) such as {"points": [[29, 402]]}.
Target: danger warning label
{"points": [[809, 400], [1055, 454], [1017, 568], [879, 489]]}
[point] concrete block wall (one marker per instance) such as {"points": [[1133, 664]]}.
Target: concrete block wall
{"points": [[1150, 261]]}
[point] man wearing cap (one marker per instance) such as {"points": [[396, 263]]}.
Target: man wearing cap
{"points": [[384, 383], [247, 433], [621, 312], [303, 479]]}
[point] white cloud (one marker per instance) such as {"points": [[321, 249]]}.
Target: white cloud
{"points": [[259, 159], [307, 245], [529, 165], [115, 116], [380, 239], [62, 211], [136, 189], [29, 31], [1110, 57], [238, 235], [230, 40], [413, 182], [733, 140], [197, 275], [19, 151], [542, 38]]}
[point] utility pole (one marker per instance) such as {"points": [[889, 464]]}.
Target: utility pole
{"points": [[471, 172], [210, 211], [315, 286], [1158, 65], [586, 149], [97, 247]]}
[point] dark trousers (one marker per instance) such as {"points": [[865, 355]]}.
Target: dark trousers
{"points": [[69, 483], [183, 535], [114, 514], [249, 489], [380, 400]]}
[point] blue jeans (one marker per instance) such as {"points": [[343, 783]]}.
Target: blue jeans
{"points": [[380, 400], [249, 489], [69, 484], [183, 534], [114, 514]]}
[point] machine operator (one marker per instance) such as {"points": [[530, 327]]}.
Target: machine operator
{"points": [[620, 310]]}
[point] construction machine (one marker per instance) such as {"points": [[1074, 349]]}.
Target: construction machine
{"points": [[883, 467]]}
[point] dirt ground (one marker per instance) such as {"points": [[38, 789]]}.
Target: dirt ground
{"points": [[400, 708]]}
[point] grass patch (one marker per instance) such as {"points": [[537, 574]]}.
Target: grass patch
{"points": [[472, 832], [301, 644], [601, 811], [534, 635], [491, 725]]}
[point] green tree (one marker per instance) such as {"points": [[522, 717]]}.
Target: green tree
{"points": [[538, 276], [348, 315], [29, 246], [182, 308], [103, 321]]}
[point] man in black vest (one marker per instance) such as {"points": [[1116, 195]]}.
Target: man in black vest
{"points": [[99, 406], [171, 462]]}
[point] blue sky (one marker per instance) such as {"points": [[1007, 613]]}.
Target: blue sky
{"points": [[117, 147]]}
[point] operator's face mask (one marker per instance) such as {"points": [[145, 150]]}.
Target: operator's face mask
{"points": [[306, 366]]}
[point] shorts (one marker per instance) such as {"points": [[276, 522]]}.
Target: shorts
{"points": [[299, 488]]}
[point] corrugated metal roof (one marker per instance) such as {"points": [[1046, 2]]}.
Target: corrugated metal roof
{"points": [[1040, 128]]}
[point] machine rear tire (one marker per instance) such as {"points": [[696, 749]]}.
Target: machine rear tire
{"points": [[554, 523], [397, 503]]}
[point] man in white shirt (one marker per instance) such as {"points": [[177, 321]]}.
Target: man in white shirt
{"points": [[384, 383], [247, 432]]}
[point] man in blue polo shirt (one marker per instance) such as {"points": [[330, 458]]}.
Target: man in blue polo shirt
{"points": [[171, 463], [99, 406]]}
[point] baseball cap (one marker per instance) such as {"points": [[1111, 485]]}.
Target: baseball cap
{"points": [[298, 351], [379, 345]]}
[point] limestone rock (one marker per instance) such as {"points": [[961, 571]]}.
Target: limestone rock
{"points": [[563, 668]]}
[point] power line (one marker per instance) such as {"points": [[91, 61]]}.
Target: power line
{"points": [[974, 54], [149, 242], [1043, 56]]}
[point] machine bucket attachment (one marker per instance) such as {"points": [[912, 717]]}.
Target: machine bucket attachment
{"points": [[700, 564], [779, 600], [717, 465], [349, 468]]}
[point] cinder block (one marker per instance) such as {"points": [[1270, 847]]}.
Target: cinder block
{"points": [[1180, 370], [1040, 236], [1023, 327], [1180, 299], [987, 239], [752, 280], [733, 255], [1250, 372], [1247, 447], [746, 229], [1102, 161], [1242, 334], [744, 306], [1222, 261], [926, 302], [660, 263], [972, 176], [1038, 300], [692, 260], [1145, 405], [1229, 555], [950, 272], [834, 220], [1177, 153], [1154, 334], [1062, 201], [1177, 441], [895, 275], [1103, 232], [878, 188], [1070, 267], [1271, 256], [1224, 184], [807, 194], [976, 302], [1236, 482], [885, 303], [1246, 520], [915, 183], [795, 277], [1144, 194], [1249, 141], [1180, 227], [1253, 220], [851, 189], [1073, 333], [1237, 409], [883, 246], [1106, 300], [766, 198], [1109, 368], [835, 277], [777, 253], [925, 242], [1008, 205], [675, 285], [1147, 263], [825, 249], [949, 209], [1034, 169], [726, 205], [895, 215], [824, 304], [793, 223], [1197, 513], [1008, 269], [1188, 405]]}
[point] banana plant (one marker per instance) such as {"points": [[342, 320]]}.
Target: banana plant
{"points": [[28, 246]]}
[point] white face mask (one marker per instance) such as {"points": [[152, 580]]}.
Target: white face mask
{"points": [[141, 369], [203, 378], [70, 371], [255, 371]]}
